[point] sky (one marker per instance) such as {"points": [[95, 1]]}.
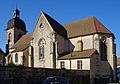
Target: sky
{"points": [[64, 11]]}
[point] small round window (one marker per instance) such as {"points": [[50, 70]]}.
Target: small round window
{"points": [[41, 25]]}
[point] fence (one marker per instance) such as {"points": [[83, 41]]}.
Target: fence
{"points": [[26, 75]]}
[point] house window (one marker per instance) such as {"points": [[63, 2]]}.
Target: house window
{"points": [[23, 60], [62, 64], [16, 57], [41, 45], [80, 45], [9, 58], [114, 49], [103, 49], [79, 64]]}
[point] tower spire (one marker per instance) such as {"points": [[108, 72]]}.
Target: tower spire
{"points": [[16, 13]]}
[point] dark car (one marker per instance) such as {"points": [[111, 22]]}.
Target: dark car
{"points": [[55, 80]]}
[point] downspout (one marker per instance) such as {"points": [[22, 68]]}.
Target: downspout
{"points": [[70, 61]]}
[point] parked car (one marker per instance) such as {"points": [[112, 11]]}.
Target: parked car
{"points": [[55, 80]]}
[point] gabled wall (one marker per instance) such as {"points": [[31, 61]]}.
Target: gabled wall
{"points": [[42, 33]]}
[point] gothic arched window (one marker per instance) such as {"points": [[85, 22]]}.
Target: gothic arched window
{"points": [[103, 49], [16, 57], [41, 45]]}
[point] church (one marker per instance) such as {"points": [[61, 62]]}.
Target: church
{"points": [[84, 44]]}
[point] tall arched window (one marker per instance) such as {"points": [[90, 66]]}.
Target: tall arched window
{"points": [[80, 45], [10, 37], [16, 57], [23, 60], [103, 49], [32, 56], [41, 45]]}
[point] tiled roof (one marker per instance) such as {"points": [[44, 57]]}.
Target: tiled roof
{"points": [[118, 61], [77, 54], [1, 52], [22, 43], [57, 27], [85, 26]]}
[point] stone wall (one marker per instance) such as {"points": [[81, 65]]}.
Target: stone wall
{"points": [[25, 75]]}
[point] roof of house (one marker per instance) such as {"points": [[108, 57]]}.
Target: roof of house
{"points": [[57, 27], [85, 26], [22, 43], [1, 52], [77, 54], [118, 61]]}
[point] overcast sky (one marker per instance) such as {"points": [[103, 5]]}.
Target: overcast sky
{"points": [[64, 11]]}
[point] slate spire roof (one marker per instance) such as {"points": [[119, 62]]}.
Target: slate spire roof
{"points": [[16, 21]]}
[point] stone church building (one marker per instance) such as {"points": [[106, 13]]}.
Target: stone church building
{"points": [[84, 44]]}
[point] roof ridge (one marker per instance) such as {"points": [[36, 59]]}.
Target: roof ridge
{"points": [[56, 26], [27, 34], [79, 20], [95, 27], [85, 26]]}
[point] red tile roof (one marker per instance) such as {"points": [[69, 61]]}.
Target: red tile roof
{"points": [[77, 54], [1, 53], [22, 43], [118, 61], [85, 26]]}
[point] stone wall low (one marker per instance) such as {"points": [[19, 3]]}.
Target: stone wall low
{"points": [[25, 75]]}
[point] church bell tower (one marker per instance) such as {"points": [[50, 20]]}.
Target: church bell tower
{"points": [[15, 29]]}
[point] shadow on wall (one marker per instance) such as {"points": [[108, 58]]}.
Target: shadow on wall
{"points": [[101, 71], [70, 46]]}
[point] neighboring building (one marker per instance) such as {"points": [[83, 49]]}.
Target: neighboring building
{"points": [[118, 68], [85, 44], [118, 62], [2, 58]]}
